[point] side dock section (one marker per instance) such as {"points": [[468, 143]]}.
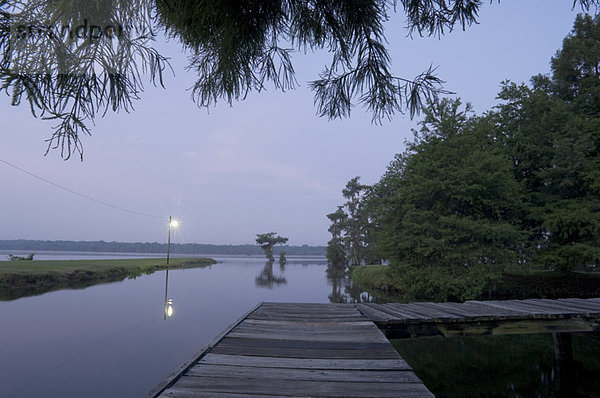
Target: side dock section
{"points": [[571, 315], [297, 350]]}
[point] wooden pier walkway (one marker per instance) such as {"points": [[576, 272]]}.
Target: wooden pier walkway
{"points": [[297, 350], [485, 317], [339, 350]]}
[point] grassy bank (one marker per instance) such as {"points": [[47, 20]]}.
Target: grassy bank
{"points": [[379, 281], [28, 278]]}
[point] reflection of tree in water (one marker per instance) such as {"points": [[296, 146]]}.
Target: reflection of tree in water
{"points": [[343, 290], [522, 365], [282, 260], [336, 295], [267, 279]]}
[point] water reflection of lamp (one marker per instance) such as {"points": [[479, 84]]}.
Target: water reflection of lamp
{"points": [[168, 301], [169, 312]]}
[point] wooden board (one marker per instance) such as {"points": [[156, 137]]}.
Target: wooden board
{"points": [[296, 363], [391, 376], [286, 388]]}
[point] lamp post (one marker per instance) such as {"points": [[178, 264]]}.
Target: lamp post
{"points": [[172, 224], [169, 302]]}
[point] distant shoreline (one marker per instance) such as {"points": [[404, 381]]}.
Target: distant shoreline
{"points": [[153, 247]]}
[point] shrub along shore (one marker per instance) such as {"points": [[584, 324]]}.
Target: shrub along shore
{"points": [[382, 281], [29, 278]]}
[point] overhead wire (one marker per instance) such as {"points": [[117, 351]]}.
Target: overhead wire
{"points": [[77, 193]]}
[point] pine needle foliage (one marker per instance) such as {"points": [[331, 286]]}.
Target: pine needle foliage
{"points": [[73, 61], [234, 47]]}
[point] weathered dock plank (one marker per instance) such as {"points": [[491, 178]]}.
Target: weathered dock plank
{"points": [[295, 388], [296, 363], [298, 350], [589, 304], [357, 375], [334, 351]]}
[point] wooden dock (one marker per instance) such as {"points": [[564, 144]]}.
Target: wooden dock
{"points": [[339, 350], [485, 317], [297, 350]]}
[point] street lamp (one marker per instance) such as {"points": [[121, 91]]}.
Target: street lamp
{"points": [[172, 224]]}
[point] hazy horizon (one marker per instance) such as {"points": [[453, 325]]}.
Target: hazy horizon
{"points": [[155, 242]]}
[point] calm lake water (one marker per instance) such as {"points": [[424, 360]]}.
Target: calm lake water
{"points": [[112, 340]]}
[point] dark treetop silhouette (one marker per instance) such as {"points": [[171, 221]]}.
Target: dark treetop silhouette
{"points": [[72, 60], [268, 241]]}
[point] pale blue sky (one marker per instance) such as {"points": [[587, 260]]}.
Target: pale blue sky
{"points": [[267, 163]]}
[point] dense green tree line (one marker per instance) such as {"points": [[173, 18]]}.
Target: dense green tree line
{"points": [[154, 247], [515, 187]]}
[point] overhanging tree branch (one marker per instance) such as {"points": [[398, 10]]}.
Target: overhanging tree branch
{"points": [[234, 47]]}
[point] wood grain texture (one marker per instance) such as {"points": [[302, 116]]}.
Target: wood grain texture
{"points": [[309, 363], [304, 388]]}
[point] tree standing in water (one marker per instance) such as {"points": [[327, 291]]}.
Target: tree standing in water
{"points": [[268, 241], [336, 250], [355, 222]]}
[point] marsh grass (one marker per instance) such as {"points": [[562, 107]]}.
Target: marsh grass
{"points": [[28, 278]]}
